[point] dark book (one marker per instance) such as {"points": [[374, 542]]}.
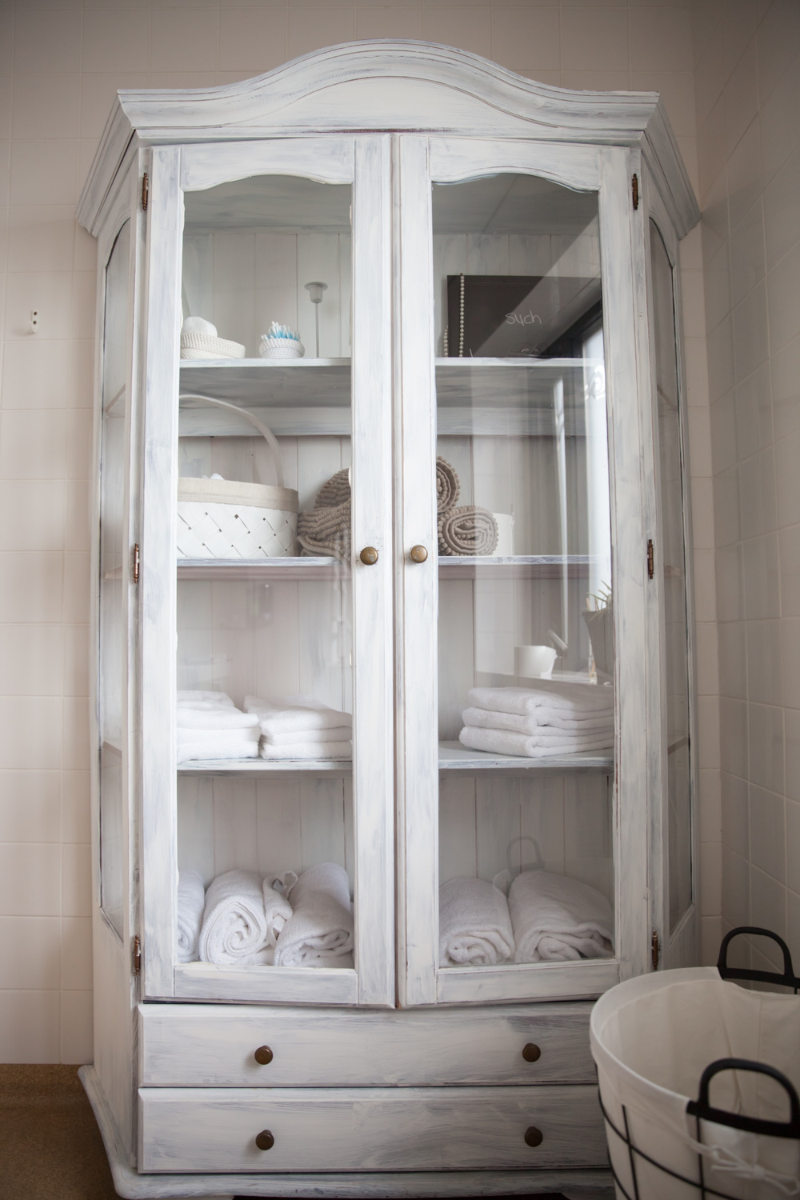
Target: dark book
{"points": [[510, 316]]}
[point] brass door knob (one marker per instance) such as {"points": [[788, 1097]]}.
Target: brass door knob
{"points": [[418, 554], [531, 1052], [533, 1136], [369, 556], [265, 1140], [263, 1056]]}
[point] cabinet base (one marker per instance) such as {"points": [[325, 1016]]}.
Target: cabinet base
{"points": [[133, 1186]]}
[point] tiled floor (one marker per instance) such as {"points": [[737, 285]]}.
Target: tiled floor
{"points": [[50, 1146]]}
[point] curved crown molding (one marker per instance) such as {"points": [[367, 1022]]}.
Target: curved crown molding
{"points": [[382, 85]]}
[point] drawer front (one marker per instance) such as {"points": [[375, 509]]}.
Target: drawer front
{"points": [[369, 1129], [185, 1045]]}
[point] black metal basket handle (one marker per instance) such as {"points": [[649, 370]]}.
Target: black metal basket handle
{"points": [[787, 979], [703, 1110]]}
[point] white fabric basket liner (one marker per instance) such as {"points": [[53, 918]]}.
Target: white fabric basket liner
{"points": [[225, 518], [651, 1039]]}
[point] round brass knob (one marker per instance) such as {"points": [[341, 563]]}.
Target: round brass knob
{"points": [[265, 1140], [531, 1052], [533, 1136], [369, 556], [418, 554], [263, 1056]]}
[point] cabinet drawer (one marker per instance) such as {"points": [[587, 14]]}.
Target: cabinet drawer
{"points": [[369, 1129], [185, 1045]]}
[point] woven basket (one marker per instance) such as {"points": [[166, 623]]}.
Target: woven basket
{"points": [[221, 518]]}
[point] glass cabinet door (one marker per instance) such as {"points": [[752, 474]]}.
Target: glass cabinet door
{"points": [[524, 880], [281, 712]]}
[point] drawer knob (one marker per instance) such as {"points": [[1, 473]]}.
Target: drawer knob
{"points": [[265, 1140], [418, 554], [263, 1056], [369, 556], [533, 1136], [530, 1052]]}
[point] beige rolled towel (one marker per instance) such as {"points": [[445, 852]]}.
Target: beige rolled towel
{"points": [[326, 529], [468, 530], [448, 486]]}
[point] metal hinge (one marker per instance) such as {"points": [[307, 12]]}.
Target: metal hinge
{"points": [[651, 559], [654, 949], [146, 190], [136, 562], [137, 955], [634, 190]]}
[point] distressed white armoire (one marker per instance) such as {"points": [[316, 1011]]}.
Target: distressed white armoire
{"points": [[500, 315]]}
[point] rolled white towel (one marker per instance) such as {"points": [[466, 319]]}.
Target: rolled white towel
{"points": [[204, 744], [212, 699], [540, 721], [235, 931], [308, 737], [319, 932], [541, 745], [277, 911], [569, 698], [284, 714], [474, 924], [558, 919], [189, 717], [318, 750], [191, 903]]}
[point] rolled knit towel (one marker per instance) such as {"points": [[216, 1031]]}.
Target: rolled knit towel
{"points": [[474, 924], [191, 903], [235, 930], [469, 530], [326, 529], [557, 919], [217, 743], [568, 698], [306, 750], [539, 721], [277, 911], [537, 745], [448, 485], [295, 714], [319, 932]]}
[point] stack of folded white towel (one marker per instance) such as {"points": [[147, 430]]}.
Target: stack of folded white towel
{"points": [[210, 727], [546, 918], [244, 920], [549, 717], [301, 727]]}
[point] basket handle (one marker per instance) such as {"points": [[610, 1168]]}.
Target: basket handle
{"points": [[703, 1110], [787, 979], [267, 433]]}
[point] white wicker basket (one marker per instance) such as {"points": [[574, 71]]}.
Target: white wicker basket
{"points": [[221, 518]]}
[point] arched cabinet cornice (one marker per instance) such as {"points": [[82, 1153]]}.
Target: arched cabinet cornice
{"points": [[392, 85]]}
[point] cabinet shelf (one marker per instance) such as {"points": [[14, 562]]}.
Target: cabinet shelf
{"points": [[455, 757], [521, 566], [261, 568]]}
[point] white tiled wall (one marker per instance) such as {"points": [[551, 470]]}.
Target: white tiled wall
{"points": [[747, 63], [60, 63]]}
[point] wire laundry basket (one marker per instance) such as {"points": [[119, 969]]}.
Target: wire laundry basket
{"points": [[647, 1034]]}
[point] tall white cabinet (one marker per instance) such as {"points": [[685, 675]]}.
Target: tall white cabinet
{"points": [[501, 295]]}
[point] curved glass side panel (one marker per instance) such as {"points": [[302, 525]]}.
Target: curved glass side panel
{"points": [[673, 555], [112, 671], [526, 655]]}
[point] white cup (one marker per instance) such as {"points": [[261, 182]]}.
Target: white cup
{"points": [[534, 662]]}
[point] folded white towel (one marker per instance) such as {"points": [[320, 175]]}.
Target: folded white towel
{"points": [[474, 924], [212, 743], [283, 714], [320, 750], [235, 930], [540, 721], [319, 932], [541, 745], [213, 699], [571, 699], [189, 717], [308, 737], [557, 919], [277, 911], [191, 903]]}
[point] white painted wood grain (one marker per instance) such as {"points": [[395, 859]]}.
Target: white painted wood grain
{"points": [[270, 985], [453, 160], [536, 981], [328, 160], [368, 1129]]}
